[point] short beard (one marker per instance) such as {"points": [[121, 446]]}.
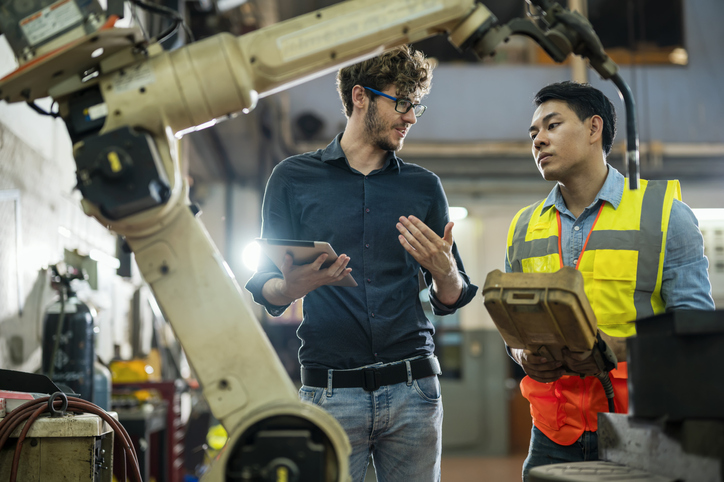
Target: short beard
{"points": [[375, 129]]}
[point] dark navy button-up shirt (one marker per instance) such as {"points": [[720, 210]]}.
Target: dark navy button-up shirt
{"points": [[317, 196]]}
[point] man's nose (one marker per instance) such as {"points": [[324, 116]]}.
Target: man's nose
{"points": [[409, 116], [540, 140]]}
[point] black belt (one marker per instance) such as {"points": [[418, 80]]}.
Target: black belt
{"points": [[372, 378]]}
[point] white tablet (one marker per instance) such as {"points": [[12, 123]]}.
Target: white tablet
{"points": [[303, 252]]}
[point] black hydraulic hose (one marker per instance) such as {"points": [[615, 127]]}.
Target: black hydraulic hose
{"points": [[608, 388], [632, 136], [544, 4]]}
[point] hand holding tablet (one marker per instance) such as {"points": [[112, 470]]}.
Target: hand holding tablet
{"points": [[303, 252]]}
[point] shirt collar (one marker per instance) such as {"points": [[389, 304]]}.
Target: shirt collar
{"points": [[611, 192], [333, 154]]}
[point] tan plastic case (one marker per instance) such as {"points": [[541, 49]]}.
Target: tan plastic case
{"points": [[541, 312]]}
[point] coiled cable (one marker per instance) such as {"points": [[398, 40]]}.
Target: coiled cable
{"points": [[30, 411]]}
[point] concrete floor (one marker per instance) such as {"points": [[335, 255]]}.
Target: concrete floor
{"points": [[498, 469], [472, 469]]}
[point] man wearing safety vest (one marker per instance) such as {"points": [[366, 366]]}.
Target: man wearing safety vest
{"points": [[640, 252]]}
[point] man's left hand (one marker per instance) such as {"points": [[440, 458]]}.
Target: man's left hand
{"points": [[434, 254], [430, 250]]}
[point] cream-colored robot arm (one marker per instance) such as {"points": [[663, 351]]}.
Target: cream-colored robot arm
{"points": [[129, 174], [223, 74], [124, 111]]}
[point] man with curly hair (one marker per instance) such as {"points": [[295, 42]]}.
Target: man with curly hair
{"points": [[367, 351]]}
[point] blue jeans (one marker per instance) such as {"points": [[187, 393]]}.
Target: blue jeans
{"points": [[399, 425], [544, 451]]}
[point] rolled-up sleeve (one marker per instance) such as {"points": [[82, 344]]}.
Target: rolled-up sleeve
{"points": [[275, 224], [467, 294], [685, 281]]}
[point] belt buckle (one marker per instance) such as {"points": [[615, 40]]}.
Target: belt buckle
{"points": [[371, 379]]}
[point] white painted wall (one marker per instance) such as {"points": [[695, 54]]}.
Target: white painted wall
{"points": [[36, 159]]}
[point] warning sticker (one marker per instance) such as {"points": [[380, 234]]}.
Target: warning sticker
{"points": [[50, 21], [96, 112]]}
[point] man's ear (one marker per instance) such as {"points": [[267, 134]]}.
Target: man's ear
{"points": [[596, 129], [359, 96]]}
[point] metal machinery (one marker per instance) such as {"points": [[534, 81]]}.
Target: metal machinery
{"points": [[58, 447], [126, 102], [674, 429]]}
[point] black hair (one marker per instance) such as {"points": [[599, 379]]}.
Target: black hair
{"points": [[585, 101]]}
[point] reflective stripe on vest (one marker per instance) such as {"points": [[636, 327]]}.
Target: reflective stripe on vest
{"points": [[625, 283], [622, 264]]}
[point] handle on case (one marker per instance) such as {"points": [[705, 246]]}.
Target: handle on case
{"points": [[522, 297]]}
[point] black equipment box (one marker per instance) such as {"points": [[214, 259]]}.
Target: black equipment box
{"points": [[676, 366]]}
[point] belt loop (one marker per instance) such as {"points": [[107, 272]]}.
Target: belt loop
{"points": [[329, 382], [409, 373], [436, 365]]}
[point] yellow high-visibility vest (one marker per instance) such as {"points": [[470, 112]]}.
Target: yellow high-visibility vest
{"points": [[622, 264]]}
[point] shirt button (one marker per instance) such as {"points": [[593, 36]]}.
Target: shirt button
{"points": [[367, 210], [575, 261], [367, 245], [576, 228], [372, 314], [369, 280]]}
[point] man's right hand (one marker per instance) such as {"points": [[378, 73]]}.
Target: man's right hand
{"points": [[300, 280], [537, 367]]}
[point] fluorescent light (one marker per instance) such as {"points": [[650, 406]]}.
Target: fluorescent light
{"points": [[709, 214], [458, 213]]}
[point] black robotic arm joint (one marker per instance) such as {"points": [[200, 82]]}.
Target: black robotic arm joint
{"points": [[281, 448], [121, 172]]}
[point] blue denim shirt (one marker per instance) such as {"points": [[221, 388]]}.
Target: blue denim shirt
{"points": [[685, 284], [317, 196]]}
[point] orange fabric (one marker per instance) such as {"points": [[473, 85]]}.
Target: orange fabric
{"points": [[557, 411]]}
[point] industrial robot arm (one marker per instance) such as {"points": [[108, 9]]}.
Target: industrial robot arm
{"points": [[126, 103]]}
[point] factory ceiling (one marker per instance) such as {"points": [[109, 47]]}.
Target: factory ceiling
{"points": [[244, 149]]}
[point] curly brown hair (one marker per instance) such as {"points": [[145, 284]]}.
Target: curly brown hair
{"points": [[408, 69]]}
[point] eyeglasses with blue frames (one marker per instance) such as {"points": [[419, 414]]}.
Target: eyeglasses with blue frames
{"points": [[402, 106]]}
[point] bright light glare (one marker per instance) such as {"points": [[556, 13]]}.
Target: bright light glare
{"points": [[34, 256], [97, 52], [199, 127], [709, 214], [250, 255], [103, 258], [458, 213]]}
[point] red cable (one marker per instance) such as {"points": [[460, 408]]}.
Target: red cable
{"points": [[30, 411]]}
